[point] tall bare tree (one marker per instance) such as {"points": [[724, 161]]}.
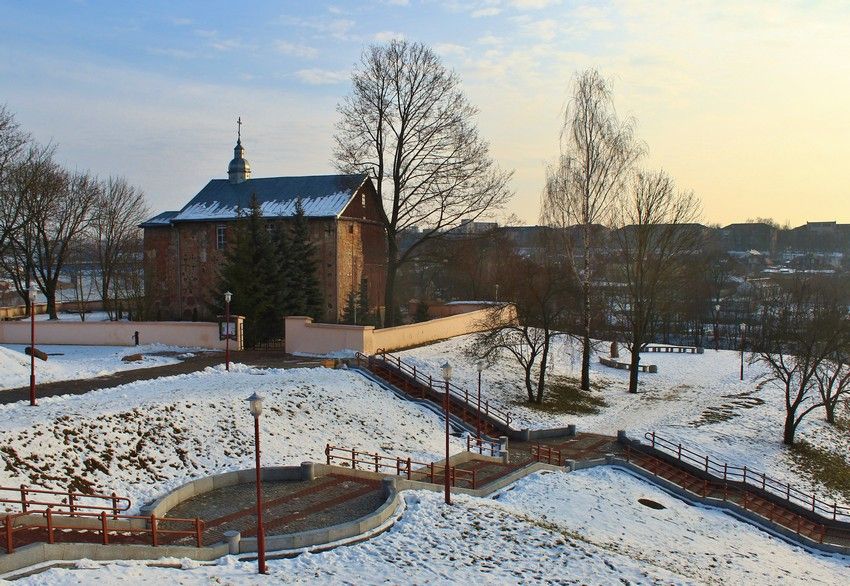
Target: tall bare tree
{"points": [[408, 125], [34, 173], [13, 143], [655, 237], [114, 227], [58, 211], [598, 151], [803, 327]]}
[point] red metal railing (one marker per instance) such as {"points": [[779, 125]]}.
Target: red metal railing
{"points": [[483, 446], [548, 454], [53, 522], [406, 467], [469, 400], [72, 501], [748, 477]]}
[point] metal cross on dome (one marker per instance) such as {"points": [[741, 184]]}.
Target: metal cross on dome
{"points": [[239, 128]]}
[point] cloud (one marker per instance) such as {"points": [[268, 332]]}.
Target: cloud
{"points": [[317, 76], [397, 2], [176, 53], [338, 28], [545, 30], [489, 40], [533, 4], [490, 11], [449, 49], [296, 49], [385, 36]]}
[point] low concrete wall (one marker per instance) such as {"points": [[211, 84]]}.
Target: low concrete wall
{"points": [[118, 333], [305, 337]]}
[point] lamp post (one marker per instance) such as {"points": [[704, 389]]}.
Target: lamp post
{"points": [[716, 327], [743, 341], [227, 297], [447, 375], [255, 404], [480, 366], [31, 293]]}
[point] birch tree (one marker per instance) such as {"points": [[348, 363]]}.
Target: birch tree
{"points": [[598, 151], [408, 125]]}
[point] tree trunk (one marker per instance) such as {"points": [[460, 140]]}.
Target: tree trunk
{"points": [[541, 379], [633, 368], [830, 411], [50, 293], [528, 386], [585, 340], [389, 290], [790, 429]]}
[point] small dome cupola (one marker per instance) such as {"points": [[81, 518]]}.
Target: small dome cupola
{"points": [[239, 171]]}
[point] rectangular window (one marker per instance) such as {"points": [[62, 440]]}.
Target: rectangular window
{"points": [[220, 236]]}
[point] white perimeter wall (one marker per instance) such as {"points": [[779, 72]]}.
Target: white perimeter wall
{"points": [[305, 337], [193, 334]]}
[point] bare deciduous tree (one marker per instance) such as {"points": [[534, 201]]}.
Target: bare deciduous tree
{"points": [[114, 228], [833, 383], [598, 151], [13, 143], [655, 236], [803, 327], [408, 126], [58, 211], [540, 293]]}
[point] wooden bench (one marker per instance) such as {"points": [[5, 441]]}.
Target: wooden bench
{"points": [[625, 365], [673, 349]]}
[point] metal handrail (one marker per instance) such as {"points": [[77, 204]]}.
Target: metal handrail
{"points": [[117, 504], [51, 526], [483, 446], [400, 466], [541, 451], [750, 477], [459, 394]]}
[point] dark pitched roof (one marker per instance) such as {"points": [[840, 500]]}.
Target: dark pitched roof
{"points": [[322, 196], [160, 220]]}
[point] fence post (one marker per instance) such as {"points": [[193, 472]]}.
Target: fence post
{"points": [[376, 461], [679, 455], [408, 468], [487, 407], [653, 439], [328, 454], [103, 528], [745, 475], [199, 531], [788, 493], [49, 514], [10, 547], [114, 506], [24, 498], [813, 502], [725, 469], [706, 463], [834, 511], [71, 506], [414, 372], [154, 539]]}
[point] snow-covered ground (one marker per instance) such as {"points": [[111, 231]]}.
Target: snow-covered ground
{"points": [[145, 438], [584, 527], [75, 316], [76, 362], [696, 399]]}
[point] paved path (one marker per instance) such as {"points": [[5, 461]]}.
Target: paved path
{"points": [[260, 358]]}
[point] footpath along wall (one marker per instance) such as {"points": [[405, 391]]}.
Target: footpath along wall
{"points": [[120, 333], [305, 337]]}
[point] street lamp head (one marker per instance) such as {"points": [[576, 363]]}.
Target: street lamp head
{"points": [[31, 291], [743, 327], [228, 296], [480, 365], [255, 404], [447, 371]]}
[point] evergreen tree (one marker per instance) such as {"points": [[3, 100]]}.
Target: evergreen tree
{"points": [[250, 272], [363, 303], [306, 295], [351, 315]]}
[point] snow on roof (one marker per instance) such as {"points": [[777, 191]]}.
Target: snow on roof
{"points": [[321, 196], [163, 219]]}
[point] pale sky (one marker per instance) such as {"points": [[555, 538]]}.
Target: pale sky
{"points": [[746, 103]]}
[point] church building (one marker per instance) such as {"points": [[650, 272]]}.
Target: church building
{"points": [[183, 250]]}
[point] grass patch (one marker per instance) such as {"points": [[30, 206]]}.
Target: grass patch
{"points": [[564, 395], [829, 469]]}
